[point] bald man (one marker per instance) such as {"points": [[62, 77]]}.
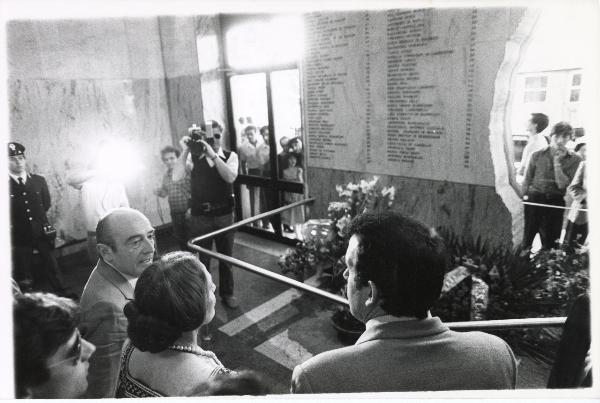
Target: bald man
{"points": [[126, 247]]}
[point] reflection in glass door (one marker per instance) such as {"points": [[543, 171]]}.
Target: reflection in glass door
{"points": [[267, 124], [249, 105]]}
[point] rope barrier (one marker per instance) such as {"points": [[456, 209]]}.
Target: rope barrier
{"points": [[553, 206]]}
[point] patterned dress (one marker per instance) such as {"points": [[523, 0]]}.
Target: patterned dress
{"points": [[128, 386]]}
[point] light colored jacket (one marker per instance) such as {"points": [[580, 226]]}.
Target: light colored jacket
{"points": [[104, 324], [415, 355]]}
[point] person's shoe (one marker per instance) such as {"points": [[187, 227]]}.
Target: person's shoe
{"points": [[231, 302]]}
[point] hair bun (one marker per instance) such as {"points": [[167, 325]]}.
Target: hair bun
{"points": [[148, 333]]}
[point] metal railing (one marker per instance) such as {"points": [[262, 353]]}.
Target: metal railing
{"points": [[338, 299]]}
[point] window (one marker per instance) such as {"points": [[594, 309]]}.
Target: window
{"points": [[575, 88], [535, 89]]}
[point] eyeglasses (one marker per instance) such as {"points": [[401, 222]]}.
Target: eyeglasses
{"points": [[74, 354]]}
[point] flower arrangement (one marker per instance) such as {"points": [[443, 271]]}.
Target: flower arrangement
{"points": [[517, 286]]}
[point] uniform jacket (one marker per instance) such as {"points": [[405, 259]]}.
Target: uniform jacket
{"points": [[104, 324], [415, 355], [28, 208]]}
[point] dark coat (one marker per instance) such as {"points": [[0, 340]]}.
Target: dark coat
{"points": [[28, 207]]}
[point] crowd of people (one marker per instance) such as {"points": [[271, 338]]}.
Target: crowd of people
{"points": [[552, 168], [134, 332], [255, 160]]}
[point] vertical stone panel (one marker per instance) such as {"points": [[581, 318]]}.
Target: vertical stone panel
{"points": [[182, 79], [73, 83], [471, 210]]}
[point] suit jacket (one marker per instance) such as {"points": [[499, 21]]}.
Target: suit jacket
{"points": [[104, 324], [28, 206], [570, 368], [416, 355]]}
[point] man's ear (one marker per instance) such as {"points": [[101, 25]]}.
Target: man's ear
{"points": [[373, 299], [104, 251]]}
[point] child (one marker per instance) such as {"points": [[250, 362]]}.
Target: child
{"points": [[295, 216]]}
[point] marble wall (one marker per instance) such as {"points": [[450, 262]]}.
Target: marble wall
{"points": [[75, 82], [441, 189], [471, 210]]}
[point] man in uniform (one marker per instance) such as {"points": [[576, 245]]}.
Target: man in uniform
{"points": [[213, 172], [29, 202]]}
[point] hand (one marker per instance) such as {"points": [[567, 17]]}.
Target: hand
{"points": [[183, 142], [559, 153], [208, 150]]}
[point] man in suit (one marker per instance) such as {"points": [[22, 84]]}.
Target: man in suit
{"points": [[29, 202], [395, 270], [126, 247]]}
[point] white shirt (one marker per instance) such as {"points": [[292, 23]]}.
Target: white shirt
{"points": [[252, 154], [99, 196], [232, 162], [16, 177]]}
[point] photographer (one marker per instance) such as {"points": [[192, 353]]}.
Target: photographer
{"points": [[213, 171]]}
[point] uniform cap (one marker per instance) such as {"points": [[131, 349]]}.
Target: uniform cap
{"points": [[15, 149]]}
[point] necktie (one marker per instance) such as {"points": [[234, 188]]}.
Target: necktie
{"points": [[21, 181]]}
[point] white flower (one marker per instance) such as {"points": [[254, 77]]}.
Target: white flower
{"points": [[339, 189], [337, 206], [390, 192], [374, 180], [364, 186], [352, 187]]}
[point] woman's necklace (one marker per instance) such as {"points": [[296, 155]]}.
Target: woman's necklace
{"points": [[196, 350]]}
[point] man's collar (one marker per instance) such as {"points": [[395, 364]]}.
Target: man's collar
{"points": [[402, 329], [386, 319], [127, 277], [16, 177]]}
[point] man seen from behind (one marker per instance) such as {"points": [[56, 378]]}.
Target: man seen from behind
{"points": [[395, 270]]}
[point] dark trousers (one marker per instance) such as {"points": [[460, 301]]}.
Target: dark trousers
{"points": [[575, 233], [180, 228], [545, 220], [23, 265], [204, 224]]}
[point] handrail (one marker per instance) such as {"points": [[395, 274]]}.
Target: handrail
{"points": [[501, 324], [248, 220]]}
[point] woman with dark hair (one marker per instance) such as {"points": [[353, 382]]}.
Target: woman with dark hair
{"points": [[172, 299]]}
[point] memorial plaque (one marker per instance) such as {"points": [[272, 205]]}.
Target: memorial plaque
{"points": [[403, 92]]}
